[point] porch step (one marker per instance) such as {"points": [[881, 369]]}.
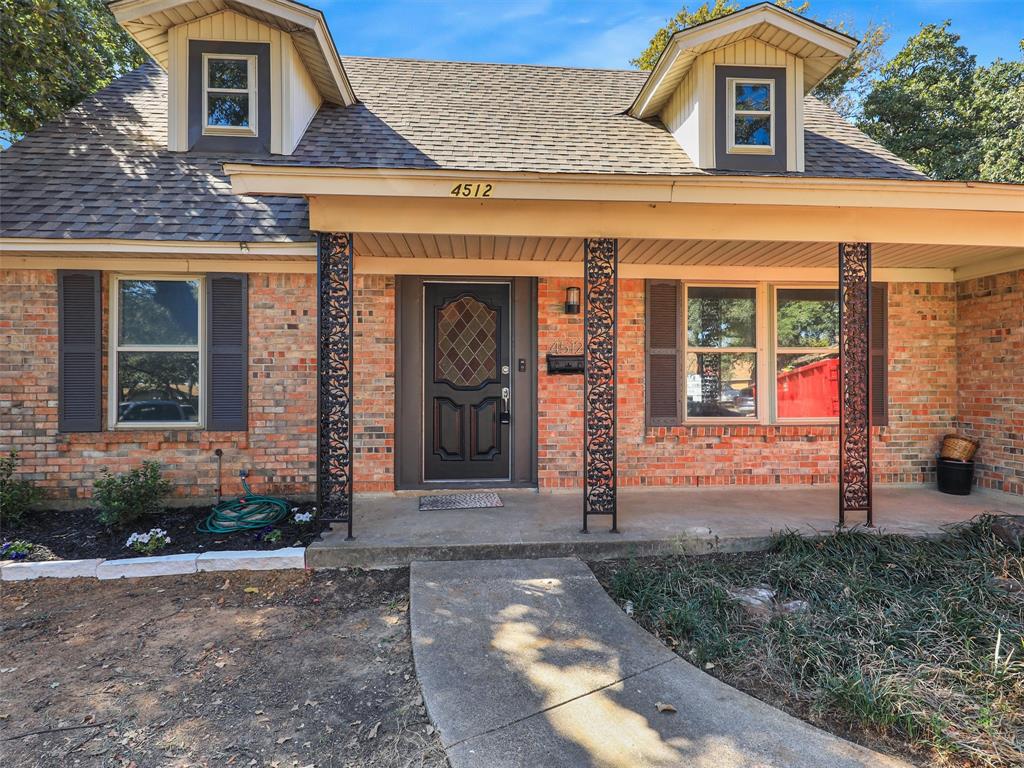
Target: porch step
{"points": [[334, 552]]}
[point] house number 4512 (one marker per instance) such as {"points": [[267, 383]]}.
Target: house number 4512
{"points": [[471, 190]]}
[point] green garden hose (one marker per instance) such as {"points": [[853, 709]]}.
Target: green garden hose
{"points": [[244, 513]]}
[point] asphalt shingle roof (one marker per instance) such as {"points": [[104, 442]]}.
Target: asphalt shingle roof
{"points": [[103, 170]]}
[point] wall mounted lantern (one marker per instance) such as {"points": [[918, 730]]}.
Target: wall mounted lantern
{"points": [[572, 300]]}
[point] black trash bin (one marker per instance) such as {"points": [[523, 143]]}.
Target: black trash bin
{"points": [[955, 476]]}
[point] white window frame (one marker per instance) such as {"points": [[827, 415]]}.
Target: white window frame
{"points": [[252, 63], [732, 113], [757, 350], [115, 347], [777, 350]]}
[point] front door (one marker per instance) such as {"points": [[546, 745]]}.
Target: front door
{"points": [[466, 381]]}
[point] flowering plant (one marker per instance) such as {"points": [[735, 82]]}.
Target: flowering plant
{"points": [[15, 550], [303, 517], [151, 541]]}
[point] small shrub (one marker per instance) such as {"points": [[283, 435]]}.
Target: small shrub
{"points": [[122, 499], [16, 494], [269, 534], [151, 541]]}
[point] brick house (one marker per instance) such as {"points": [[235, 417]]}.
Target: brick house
{"points": [[367, 275]]}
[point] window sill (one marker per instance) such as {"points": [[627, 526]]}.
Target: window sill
{"points": [[156, 425], [740, 150]]}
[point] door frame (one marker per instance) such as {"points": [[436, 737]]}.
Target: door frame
{"points": [[409, 372]]}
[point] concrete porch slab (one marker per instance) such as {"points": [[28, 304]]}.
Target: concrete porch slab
{"points": [[391, 531]]}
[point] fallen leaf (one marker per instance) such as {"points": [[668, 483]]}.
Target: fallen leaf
{"points": [[220, 664], [283, 739], [252, 590], [373, 731], [663, 707], [708, 665]]}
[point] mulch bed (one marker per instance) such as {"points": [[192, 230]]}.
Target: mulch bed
{"points": [[75, 534]]}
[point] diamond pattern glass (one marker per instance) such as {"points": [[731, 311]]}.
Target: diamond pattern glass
{"points": [[467, 343]]}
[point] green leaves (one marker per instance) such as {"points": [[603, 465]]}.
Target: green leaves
{"points": [[934, 107], [55, 53]]}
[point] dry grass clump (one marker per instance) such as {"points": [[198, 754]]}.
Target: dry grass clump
{"points": [[904, 637]]}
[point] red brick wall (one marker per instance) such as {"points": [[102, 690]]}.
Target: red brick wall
{"points": [[926, 341], [280, 447], [990, 365], [922, 406]]}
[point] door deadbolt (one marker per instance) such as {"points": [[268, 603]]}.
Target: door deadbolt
{"points": [[504, 370]]}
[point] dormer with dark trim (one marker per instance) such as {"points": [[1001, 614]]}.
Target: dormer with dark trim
{"points": [[732, 90], [243, 76]]}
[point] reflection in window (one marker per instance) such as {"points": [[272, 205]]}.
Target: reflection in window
{"points": [[721, 359], [807, 353], [229, 93], [750, 115], [721, 384], [157, 353]]}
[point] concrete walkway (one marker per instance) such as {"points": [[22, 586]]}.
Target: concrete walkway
{"points": [[529, 663]]}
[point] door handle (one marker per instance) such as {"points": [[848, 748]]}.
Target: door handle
{"points": [[506, 417]]}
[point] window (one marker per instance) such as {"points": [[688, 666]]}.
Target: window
{"points": [[807, 353], [229, 94], [156, 365], [721, 352], [750, 118], [754, 353]]}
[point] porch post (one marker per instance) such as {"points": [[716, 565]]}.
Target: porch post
{"points": [[600, 321], [855, 380], [335, 317]]}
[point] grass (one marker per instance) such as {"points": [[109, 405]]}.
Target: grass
{"points": [[905, 638]]}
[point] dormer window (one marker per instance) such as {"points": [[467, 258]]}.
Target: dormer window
{"points": [[751, 117], [229, 95]]}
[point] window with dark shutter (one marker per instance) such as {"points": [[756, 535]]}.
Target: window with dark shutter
{"points": [[663, 304], [879, 354], [227, 340], [79, 351]]}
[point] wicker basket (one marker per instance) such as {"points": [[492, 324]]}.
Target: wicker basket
{"points": [[958, 447]]}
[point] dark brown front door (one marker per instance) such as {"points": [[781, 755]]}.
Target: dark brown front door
{"points": [[466, 381]]}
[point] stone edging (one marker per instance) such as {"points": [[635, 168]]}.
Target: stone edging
{"points": [[160, 565]]}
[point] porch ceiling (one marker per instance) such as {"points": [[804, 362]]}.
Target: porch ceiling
{"points": [[664, 252]]}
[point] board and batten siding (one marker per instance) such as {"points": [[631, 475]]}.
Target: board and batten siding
{"points": [[294, 98], [689, 112]]}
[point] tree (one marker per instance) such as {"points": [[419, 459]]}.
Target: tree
{"points": [[55, 53], [919, 107], [998, 114], [843, 89]]}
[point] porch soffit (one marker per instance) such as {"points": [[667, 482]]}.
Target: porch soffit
{"points": [[447, 254]]}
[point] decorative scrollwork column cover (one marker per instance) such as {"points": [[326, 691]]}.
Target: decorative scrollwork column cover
{"points": [[600, 319], [335, 318], [855, 380]]}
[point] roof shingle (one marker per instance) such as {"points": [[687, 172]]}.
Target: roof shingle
{"points": [[103, 170]]}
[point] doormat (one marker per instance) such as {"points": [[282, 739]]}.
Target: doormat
{"points": [[460, 501]]}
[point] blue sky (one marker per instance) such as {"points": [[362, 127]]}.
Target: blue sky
{"points": [[601, 33]]}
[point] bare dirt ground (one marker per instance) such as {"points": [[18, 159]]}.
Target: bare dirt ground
{"points": [[285, 669]]}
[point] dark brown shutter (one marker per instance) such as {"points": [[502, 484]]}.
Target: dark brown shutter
{"points": [[880, 354], [663, 321], [227, 320], [79, 351]]}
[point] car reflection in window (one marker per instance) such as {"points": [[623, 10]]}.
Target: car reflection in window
{"points": [[156, 410]]}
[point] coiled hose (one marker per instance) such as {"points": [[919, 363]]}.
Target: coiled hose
{"points": [[244, 513]]}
